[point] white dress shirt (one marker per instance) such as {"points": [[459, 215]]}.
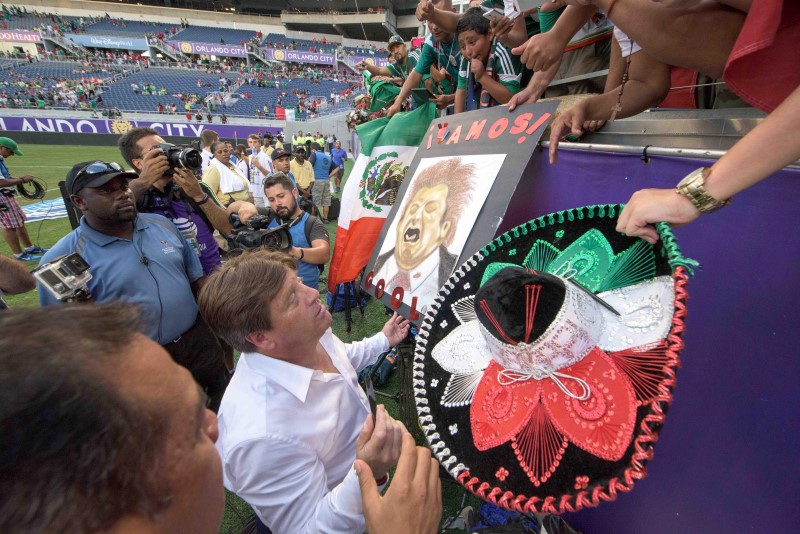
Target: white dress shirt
{"points": [[206, 156], [287, 438]]}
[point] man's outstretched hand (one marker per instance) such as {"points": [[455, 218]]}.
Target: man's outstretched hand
{"points": [[396, 329], [413, 502]]}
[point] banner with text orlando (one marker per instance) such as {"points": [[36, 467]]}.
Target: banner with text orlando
{"points": [[298, 56], [120, 126], [451, 201], [387, 147]]}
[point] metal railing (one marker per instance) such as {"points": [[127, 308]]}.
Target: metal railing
{"points": [[64, 43]]}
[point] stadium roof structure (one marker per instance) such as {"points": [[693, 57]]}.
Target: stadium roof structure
{"points": [[379, 21]]}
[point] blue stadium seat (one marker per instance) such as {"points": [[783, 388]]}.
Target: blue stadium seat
{"points": [[205, 34]]}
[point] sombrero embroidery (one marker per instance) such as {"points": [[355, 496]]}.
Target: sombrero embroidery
{"points": [[530, 390]]}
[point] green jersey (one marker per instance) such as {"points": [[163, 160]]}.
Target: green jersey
{"points": [[501, 65]]}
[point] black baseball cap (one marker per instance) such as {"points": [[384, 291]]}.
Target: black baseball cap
{"points": [[279, 153], [300, 149], [94, 174]]}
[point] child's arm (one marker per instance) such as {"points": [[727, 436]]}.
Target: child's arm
{"points": [[460, 103]]}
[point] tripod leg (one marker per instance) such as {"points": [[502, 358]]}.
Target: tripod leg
{"points": [[348, 316], [334, 297]]}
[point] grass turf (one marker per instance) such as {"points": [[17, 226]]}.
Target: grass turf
{"points": [[51, 163]]}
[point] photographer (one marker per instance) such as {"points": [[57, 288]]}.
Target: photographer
{"points": [[311, 245], [174, 193]]}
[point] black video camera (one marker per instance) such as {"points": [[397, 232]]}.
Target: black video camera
{"points": [[185, 157], [254, 233]]}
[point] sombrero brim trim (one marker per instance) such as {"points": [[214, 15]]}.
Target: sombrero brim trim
{"points": [[643, 443], [649, 426]]}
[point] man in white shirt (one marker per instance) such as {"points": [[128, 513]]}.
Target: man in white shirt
{"points": [[208, 137], [294, 419], [260, 166]]}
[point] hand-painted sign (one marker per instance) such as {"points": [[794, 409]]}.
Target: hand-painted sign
{"points": [[450, 202]]}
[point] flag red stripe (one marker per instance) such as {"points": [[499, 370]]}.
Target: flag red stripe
{"points": [[351, 255]]}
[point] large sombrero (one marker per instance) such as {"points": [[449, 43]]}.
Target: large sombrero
{"points": [[544, 368]]}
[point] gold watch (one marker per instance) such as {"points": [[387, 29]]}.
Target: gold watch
{"points": [[693, 188]]}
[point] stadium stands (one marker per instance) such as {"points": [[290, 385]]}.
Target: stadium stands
{"points": [[275, 40], [126, 28], [32, 22], [205, 34], [176, 81]]}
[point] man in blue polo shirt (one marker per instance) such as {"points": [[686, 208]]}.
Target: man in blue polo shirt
{"points": [[339, 156], [145, 260], [321, 190]]}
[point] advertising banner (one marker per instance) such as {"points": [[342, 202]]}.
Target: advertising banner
{"points": [[120, 126], [378, 61], [107, 41], [20, 36], [210, 49], [298, 56]]}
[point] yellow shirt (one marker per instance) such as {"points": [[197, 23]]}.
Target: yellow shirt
{"points": [[211, 178], [303, 175]]}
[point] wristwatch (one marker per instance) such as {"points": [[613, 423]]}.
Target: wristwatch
{"points": [[202, 200], [692, 187]]}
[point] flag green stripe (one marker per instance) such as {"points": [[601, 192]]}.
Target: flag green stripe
{"points": [[405, 129]]}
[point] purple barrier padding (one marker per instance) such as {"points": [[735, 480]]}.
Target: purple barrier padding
{"points": [[727, 459], [120, 126]]}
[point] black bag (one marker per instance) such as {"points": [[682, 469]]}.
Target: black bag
{"points": [[334, 209]]}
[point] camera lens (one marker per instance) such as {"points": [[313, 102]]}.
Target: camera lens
{"points": [[191, 159]]}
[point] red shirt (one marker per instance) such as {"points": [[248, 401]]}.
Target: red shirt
{"points": [[764, 66]]}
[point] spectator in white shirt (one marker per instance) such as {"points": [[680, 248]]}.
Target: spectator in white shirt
{"points": [[294, 420], [260, 166], [208, 137]]}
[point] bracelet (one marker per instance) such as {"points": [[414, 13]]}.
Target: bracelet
{"points": [[302, 253], [203, 200], [383, 480]]}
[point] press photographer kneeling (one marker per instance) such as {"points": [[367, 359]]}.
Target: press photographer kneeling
{"points": [[311, 247]]}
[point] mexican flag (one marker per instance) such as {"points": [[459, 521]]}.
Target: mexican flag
{"points": [[387, 147]]}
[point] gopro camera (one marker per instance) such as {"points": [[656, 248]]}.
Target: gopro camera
{"points": [[66, 278]]}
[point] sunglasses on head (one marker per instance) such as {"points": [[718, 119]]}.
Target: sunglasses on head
{"points": [[99, 167]]}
